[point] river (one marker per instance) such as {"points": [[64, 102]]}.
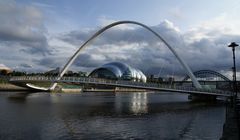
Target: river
{"points": [[153, 115]]}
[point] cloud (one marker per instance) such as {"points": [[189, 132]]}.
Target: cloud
{"points": [[50, 62], [24, 65], [123, 35], [22, 26]]}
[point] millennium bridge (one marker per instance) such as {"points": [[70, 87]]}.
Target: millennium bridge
{"points": [[26, 80], [196, 90]]}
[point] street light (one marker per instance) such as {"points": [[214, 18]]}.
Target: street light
{"points": [[233, 45]]}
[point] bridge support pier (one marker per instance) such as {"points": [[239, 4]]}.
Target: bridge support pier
{"points": [[202, 97]]}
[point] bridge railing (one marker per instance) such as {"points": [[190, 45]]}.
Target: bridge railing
{"points": [[139, 84], [113, 83], [32, 78]]}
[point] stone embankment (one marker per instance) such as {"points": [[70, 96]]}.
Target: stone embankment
{"points": [[231, 126]]}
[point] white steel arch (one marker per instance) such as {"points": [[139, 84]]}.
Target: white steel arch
{"points": [[72, 59]]}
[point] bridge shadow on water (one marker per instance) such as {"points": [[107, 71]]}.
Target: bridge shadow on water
{"points": [[19, 96]]}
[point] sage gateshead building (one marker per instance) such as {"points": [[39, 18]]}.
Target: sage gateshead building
{"points": [[118, 71]]}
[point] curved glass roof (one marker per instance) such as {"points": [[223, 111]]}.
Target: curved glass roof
{"points": [[122, 71]]}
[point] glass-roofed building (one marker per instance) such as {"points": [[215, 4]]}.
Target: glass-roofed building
{"points": [[118, 71]]}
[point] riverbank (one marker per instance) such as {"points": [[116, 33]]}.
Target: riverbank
{"points": [[11, 87], [231, 126]]}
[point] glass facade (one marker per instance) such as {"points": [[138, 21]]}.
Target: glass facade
{"points": [[117, 70]]}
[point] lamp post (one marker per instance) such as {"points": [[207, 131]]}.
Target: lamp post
{"points": [[233, 45]]}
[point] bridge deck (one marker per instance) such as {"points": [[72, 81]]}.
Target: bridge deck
{"points": [[119, 83]]}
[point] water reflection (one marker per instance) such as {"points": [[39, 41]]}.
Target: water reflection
{"points": [[19, 96], [108, 116], [133, 103], [139, 103], [55, 98]]}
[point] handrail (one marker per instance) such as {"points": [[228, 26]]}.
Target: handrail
{"points": [[115, 83]]}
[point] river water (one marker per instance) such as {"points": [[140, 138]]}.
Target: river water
{"points": [[161, 116]]}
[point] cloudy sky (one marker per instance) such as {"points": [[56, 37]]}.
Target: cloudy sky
{"points": [[42, 35]]}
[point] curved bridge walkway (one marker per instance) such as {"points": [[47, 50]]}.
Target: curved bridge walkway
{"points": [[119, 83]]}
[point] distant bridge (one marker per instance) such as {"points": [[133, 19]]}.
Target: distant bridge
{"points": [[207, 74], [25, 80], [209, 77]]}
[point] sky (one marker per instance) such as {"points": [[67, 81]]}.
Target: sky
{"points": [[36, 36]]}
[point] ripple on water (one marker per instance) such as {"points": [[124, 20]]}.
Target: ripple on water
{"points": [[109, 116]]}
